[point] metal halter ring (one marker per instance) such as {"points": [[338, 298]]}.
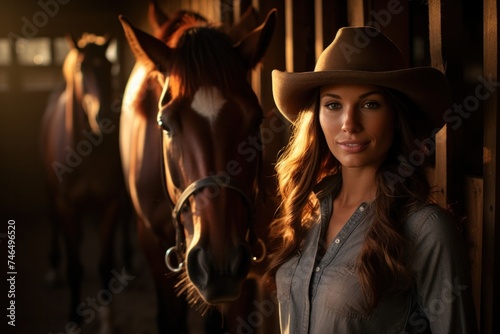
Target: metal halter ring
{"points": [[171, 250], [264, 252]]}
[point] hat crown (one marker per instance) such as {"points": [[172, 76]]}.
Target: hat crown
{"points": [[360, 49]]}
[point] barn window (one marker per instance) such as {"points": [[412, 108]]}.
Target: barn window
{"points": [[5, 57], [35, 64], [35, 51]]}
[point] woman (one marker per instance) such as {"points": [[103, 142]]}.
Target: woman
{"points": [[361, 247]]}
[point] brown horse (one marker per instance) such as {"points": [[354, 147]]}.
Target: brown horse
{"points": [[82, 163], [191, 78]]}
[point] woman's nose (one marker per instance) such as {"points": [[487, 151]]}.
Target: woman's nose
{"points": [[351, 122]]}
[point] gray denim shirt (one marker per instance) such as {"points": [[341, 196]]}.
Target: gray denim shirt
{"points": [[325, 296]]}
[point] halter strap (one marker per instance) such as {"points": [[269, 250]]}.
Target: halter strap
{"points": [[209, 181]]}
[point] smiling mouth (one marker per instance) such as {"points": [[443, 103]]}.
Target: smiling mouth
{"points": [[352, 147]]}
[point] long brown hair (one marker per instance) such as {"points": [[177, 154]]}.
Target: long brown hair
{"points": [[306, 160]]}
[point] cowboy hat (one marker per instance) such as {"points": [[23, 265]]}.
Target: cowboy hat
{"points": [[364, 55]]}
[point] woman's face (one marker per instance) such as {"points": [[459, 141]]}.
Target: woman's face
{"points": [[358, 123]]}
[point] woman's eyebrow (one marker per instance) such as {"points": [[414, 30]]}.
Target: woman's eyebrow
{"points": [[331, 95], [374, 92]]}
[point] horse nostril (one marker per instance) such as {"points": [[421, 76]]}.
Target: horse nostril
{"points": [[198, 267]]}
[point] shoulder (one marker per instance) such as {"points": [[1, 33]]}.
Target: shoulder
{"points": [[430, 222]]}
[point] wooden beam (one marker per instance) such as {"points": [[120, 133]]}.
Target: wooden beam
{"points": [[435, 41], [473, 195], [355, 13], [289, 35], [440, 170], [318, 28], [256, 75], [435, 50], [490, 273]]}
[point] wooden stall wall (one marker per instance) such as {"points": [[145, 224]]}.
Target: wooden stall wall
{"points": [[490, 295]]}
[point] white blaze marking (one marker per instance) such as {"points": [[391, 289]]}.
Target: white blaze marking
{"points": [[207, 102]]}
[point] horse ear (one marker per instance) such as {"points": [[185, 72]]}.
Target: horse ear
{"points": [[253, 46], [107, 41], [145, 47], [71, 41], [248, 21], [156, 16]]}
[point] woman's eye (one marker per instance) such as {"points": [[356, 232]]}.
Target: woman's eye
{"points": [[333, 105], [371, 105]]}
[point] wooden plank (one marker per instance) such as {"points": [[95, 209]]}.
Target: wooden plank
{"points": [[435, 43], [289, 36], [490, 292], [355, 13], [256, 75], [318, 28], [473, 228], [440, 170], [454, 65], [435, 50]]}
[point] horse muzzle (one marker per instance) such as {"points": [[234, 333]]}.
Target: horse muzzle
{"points": [[218, 279]]}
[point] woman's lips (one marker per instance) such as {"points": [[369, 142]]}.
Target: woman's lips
{"points": [[352, 146]]}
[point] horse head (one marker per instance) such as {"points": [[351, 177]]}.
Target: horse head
{"points": [[87, 72], [209, 117]]}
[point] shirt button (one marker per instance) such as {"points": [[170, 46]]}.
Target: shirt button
{"points": [[318, 269], [361, 208], [337, 241]]}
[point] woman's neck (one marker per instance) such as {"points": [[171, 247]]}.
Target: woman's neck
{"points": [[357, 186]]}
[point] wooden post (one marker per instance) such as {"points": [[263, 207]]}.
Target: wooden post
{"points": [[474, 232], [256, 75], [435, 50], [355, 13], [289, 41], [318, 28], [490, 274]]}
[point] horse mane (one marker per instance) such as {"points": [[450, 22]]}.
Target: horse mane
{"points": [[203, 55], [181, 20]]}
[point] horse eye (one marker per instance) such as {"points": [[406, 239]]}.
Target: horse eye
{"points": [[167, 130], [186, 207], [163, 125]]}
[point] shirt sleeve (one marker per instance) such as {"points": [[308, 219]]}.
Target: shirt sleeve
{"points": [[440, 268]]}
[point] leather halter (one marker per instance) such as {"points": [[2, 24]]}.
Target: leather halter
{"points": [[191, 190]]}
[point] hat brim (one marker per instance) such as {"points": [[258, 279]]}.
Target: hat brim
{"points": [[427, 87]]}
